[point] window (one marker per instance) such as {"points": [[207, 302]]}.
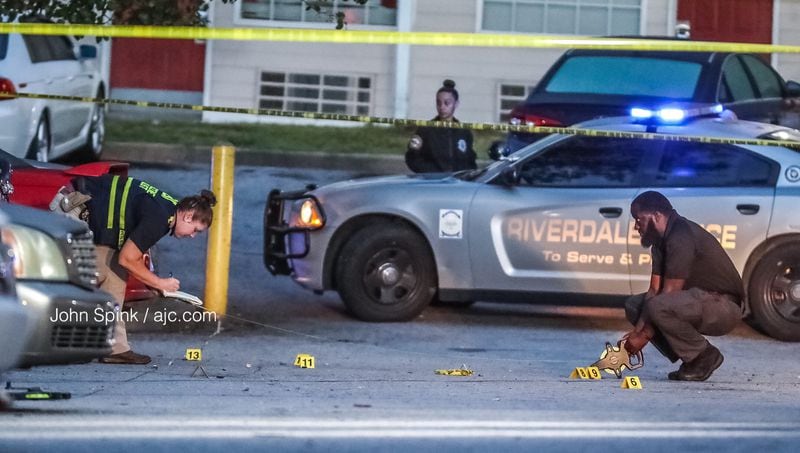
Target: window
{"points": [[582, 17], [49, 48], [627, 76], [374, 12], [767, 82], [587, 162], [712, 165], [320, 93], [3, 46], [735, 82], [509, 96]]}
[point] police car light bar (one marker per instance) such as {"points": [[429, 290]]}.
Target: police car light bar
{"points": [[671, 115]]}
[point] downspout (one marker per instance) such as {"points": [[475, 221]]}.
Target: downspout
{"points": [[207, 64], [402, 59]]}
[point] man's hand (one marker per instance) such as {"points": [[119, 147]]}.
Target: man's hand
{"points": [[635, 340]]}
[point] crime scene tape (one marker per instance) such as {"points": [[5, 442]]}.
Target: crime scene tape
{"points": [[417, 123], [390, 37]]}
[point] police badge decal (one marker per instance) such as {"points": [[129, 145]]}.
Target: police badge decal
{"points": [[450, 223]]}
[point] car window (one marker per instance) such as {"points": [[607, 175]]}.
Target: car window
{"points": [[586, 162], [627, 76], [48, 48], [735, 82], [768, 83], [3, 46], [61, 48], [711, 165]]}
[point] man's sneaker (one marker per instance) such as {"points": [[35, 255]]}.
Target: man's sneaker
{"points": [[701, 367], [128, 357]]}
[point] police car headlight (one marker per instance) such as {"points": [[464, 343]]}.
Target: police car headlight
{"points": [[310, 214], [36, 255]]}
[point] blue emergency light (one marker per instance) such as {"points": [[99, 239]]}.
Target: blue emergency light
{"points": [[673, 115]]}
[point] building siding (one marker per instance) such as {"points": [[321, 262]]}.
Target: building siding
{"points": [[477, 71]]}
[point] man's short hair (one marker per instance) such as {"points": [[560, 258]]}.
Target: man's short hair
{"points": [[651, 201]]}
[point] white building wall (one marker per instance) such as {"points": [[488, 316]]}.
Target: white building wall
{"points": [[786, 31], [236, 66], [478, 72]]}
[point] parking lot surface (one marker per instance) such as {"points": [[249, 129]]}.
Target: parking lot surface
{"points": [[374, 386]]}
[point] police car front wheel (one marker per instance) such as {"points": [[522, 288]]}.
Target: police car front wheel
{"points": [[385, 273], [774, 293]]}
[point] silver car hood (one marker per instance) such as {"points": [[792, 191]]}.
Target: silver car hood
{"points": [[371, 183]]}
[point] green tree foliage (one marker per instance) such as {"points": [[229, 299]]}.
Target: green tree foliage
{"points": [[136, 12]]}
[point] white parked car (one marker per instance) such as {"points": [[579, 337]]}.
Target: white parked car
{"points": [[45, 129]]}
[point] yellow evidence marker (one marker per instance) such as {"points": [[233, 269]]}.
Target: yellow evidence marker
{"points": [[589, 372], [579, 373], [304, 361], [631, 382], [194, 355]]}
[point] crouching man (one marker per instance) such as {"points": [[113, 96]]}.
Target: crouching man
{"points": [[694, 291]]}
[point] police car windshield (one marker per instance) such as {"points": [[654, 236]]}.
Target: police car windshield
{"points": [[626, 76]]}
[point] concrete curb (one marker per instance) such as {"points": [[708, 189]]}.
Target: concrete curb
{"points": [[182, 154]]}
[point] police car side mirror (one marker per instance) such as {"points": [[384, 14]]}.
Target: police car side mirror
{"points": [[509, 177], [498, 149]]}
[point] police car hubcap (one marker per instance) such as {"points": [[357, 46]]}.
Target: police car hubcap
{"points": [[389, 274], [389, 278], [794, 292]]}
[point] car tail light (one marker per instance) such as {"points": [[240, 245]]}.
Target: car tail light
{"points": [[522, 118], [6, 86]]}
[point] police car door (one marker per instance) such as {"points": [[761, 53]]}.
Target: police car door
{"points": [[563, 227], [727, 189]]}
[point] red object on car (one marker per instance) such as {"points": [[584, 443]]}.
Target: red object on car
{"points": [[36, 183]]}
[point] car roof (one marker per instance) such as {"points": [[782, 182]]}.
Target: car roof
{"points": [[698, 57], [704, 126]]}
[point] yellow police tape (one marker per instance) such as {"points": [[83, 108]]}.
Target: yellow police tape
{"points": [[389, 37], [417, 123]]}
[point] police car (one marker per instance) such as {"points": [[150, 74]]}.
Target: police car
{"points": [[551, 221]]}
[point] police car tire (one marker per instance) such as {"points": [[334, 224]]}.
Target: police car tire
{"points": [[385, 244], [762, 297]]}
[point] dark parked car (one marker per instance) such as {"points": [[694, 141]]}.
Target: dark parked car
{"points": [[56, 273], [588, 84]]}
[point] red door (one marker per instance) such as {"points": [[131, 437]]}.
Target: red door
{"points": [[161, 64], [728, 20]]}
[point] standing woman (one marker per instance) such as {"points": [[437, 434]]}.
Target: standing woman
{"points": [[442, 149]]}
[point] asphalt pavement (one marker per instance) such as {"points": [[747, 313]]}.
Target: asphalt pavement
{"points": [[374, 386]]}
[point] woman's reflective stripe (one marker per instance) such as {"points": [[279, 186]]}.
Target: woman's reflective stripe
{"points": [[122, 210], [111, 198]]}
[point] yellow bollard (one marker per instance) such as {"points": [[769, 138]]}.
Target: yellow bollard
{"points": [[219, 235]]}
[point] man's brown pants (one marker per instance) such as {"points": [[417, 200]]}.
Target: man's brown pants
{"points": [[681, 319]]}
